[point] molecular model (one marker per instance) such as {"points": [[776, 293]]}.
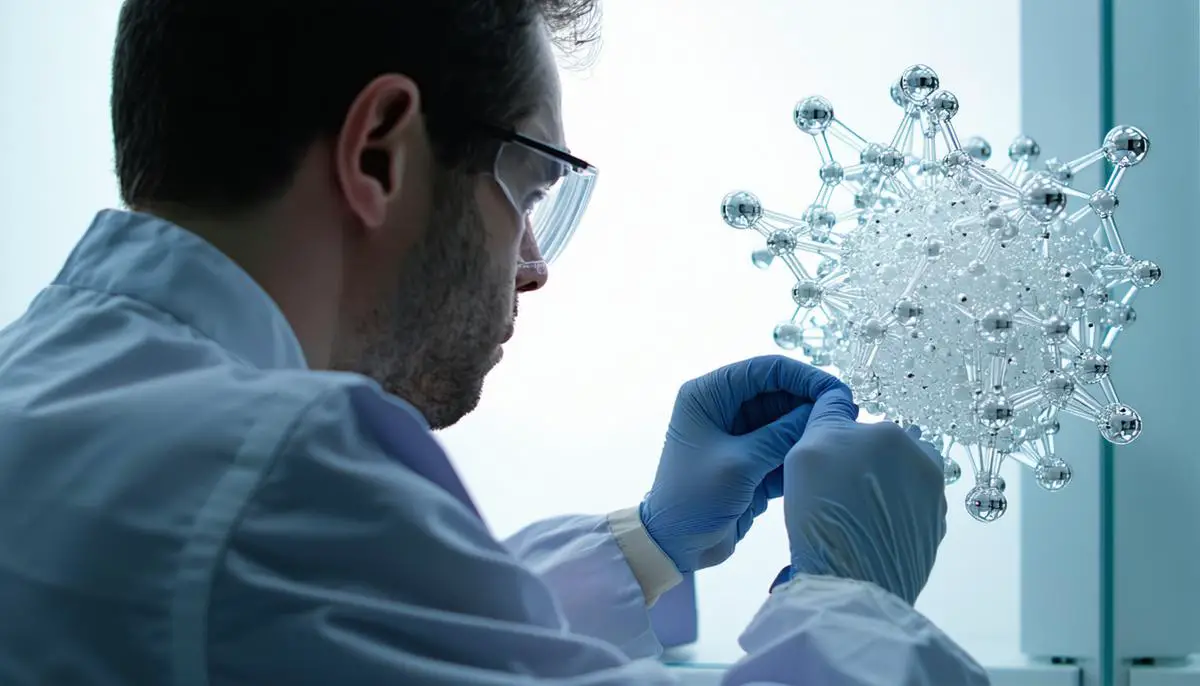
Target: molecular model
{"points": [[977, 304]]}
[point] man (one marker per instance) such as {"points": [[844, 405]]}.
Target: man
{"points": [[218, 466]]}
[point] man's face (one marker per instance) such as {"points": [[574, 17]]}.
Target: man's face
{"points": [[434, 335]]}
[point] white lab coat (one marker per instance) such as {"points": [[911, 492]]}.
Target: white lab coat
{"points": [[184, 503]]}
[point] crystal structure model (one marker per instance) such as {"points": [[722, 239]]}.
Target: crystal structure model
{"points": [[979, 304]]}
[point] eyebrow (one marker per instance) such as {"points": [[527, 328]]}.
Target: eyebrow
{"points": [[545, 134]]}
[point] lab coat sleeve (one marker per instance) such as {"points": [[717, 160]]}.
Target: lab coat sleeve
{"points": [[350, 565], [837, 632], [605, 572]]}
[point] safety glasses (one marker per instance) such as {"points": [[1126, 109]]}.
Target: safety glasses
{"points": [[548, 186]]}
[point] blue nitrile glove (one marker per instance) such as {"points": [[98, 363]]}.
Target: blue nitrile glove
{"points": [[722, 460], [863, 501]]}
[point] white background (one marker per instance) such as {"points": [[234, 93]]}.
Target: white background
{"points": [[688, 100]]}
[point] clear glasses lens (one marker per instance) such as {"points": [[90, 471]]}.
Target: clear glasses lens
{"points": [[552, 193]]}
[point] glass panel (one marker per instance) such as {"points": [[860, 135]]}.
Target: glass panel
{"points": [[679, 109], [1155, 559]]}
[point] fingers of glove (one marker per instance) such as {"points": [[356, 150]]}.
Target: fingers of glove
{"points": [[760, 501], [743, 524], [777, 438], [763, 409], [914, 432], [933, 453], [744, 380], [758, 505]]}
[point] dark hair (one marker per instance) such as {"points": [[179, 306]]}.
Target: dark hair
{"points": [[215, 101]]}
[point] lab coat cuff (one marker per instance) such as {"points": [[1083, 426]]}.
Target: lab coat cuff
{"points": [[655, 572], [829, 630]]}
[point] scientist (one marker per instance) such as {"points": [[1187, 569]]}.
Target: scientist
{"points": [[217, 465]]}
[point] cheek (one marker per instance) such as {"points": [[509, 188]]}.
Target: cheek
{"points": [[375, 258], [502, 227], [378, 262]]}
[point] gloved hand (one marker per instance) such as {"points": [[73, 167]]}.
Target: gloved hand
{"points": [[724, 450], [863, 501]]}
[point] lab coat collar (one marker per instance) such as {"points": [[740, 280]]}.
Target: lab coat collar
{"points": [[149, 259]]}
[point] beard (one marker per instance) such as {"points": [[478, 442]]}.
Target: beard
{"points": [[434, 338]]}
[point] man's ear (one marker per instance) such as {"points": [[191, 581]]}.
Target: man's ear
{"points": [[373, 147]]}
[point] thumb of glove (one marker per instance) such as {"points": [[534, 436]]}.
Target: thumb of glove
{"points": [[833, 407]]}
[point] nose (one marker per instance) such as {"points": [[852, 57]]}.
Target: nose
{"points": [[532, 271]]}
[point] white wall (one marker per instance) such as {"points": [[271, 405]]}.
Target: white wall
{"points": [[689, 99]]}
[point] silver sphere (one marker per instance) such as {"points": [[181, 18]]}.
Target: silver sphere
{"points": [[1053, 474], [1049, 425], [986, 503], [1059, 171], [871, 154], [918, 82], [978, 148], [954, 160], [951, 472], [741, 209], [994, 412], [781, 242], [1057, 387], [813, 115], [1116, 314], [996, 324], [891, 161], [907, 311], [1126, 146], [1055, 328], [897, 94], [943, 105], [1024, 149], [807, 293], [1090, 367], [1145, 273], [873, 330], [820, 219], [832, 173], [1043, 198], [788, 335], [1119, 424]]}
